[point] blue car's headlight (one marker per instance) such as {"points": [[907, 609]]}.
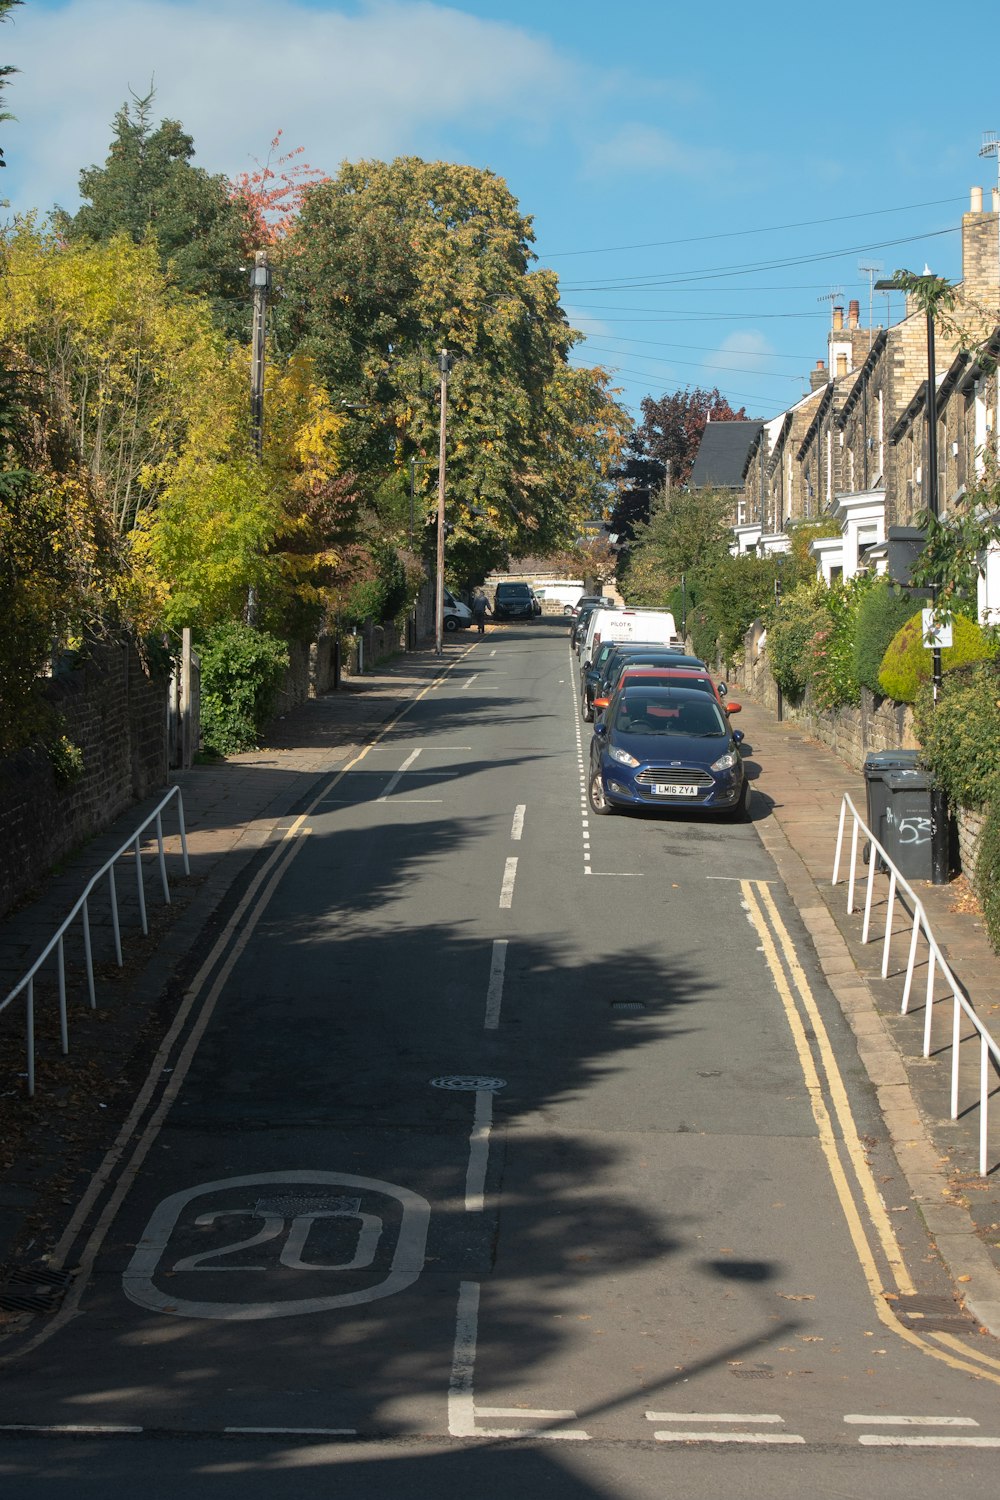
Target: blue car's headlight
{"points": [[622, 756], [726, 762]]}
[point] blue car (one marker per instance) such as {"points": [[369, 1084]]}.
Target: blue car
{"points": [[666, 747]]}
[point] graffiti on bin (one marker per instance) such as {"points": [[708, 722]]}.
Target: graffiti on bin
{"points": [[913, 830]]}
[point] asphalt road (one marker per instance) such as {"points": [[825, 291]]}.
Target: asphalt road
{"points": [[499, 1145]]}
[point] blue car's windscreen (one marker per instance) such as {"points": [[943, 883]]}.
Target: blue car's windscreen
{"points": [[645, 712]]}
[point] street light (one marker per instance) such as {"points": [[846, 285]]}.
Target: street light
{"points": [[939, 802]]}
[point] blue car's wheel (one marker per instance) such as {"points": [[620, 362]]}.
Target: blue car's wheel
{"points": [[595, 794]]}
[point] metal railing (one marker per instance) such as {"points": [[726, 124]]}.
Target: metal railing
{"points": [[902, 892], [57, 944]]}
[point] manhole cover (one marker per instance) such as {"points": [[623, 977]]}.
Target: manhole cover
{"points": [[469, 1083], [628, 1005], [316, 1203]]}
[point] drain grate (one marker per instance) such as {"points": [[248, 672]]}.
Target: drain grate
{"points": [[628, 1005], [756, 1374], [290, 1205], [33, 1288], [932, 1314]]}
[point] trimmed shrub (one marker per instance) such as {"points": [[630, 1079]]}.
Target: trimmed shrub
{"points": [[908, 662], [241, 670], [987, 874], [883, 611], [959, 737]]}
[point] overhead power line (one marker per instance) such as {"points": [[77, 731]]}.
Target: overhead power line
{"points": [[623, 283], [730, 234]]}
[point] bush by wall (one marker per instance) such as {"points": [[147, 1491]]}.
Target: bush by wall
{"points": [[882, 611], [804, 614], [241, 670], [960, 737], [908, 662], [987, 874], [833, 675]]}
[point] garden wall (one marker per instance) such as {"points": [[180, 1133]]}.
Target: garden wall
{"points": [[851, 733], [117, 715]]}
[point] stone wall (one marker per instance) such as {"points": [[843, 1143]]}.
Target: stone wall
{"points": [[116, 714], [851, 733]]}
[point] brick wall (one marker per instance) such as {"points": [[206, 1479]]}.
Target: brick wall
{"points": [[116, 714]]}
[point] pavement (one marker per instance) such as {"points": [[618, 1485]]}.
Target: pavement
{"points": [[235, 807]]}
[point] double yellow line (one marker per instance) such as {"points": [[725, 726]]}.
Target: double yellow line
{"points": [[823, 1081]]}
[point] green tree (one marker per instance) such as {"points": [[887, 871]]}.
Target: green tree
{"points": [[391, 262], [148, 188], [59, 569], [688, 535]]}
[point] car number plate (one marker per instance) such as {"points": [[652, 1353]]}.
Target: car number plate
{"points": [[672, 789]]}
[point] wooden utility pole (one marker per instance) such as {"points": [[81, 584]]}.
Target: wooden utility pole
{"points": [[445, 366], [260, 280]]}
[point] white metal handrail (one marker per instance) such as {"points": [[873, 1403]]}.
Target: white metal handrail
{"points": [[133, 842], [936, 963]]}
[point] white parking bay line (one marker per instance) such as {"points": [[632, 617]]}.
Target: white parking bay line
{"points": [[517, 827], [507, 888], [468, 682], [494, 991], [479, 1152], [395, 780]]}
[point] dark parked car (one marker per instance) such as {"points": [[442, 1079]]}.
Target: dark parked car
{"points": [[514, 601], [666, 747], [600, 678]]}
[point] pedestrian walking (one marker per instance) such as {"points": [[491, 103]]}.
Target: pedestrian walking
{"points": [[480, 609]]}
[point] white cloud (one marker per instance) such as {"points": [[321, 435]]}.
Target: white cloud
{"points": [[374, 83], [647, 150], [746, 350]]}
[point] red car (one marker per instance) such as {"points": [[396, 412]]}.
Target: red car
{"points": [[682, 676]]}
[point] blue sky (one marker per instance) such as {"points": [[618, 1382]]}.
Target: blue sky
{"points": [[701, 178]]}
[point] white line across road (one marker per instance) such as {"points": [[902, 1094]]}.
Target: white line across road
{"points": [[715, 1434], [714, 1416], [929, 1440], [507, 887], [395, 780], [494, 991], [860, 1420]]}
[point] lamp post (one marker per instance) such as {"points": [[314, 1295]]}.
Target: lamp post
{"points": [[445, 368], [939, 802]]}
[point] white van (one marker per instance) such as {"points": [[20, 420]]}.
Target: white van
{"points": [[625, 624], [565, 592]]}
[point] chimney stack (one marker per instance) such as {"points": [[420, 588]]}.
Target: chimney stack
{"points": [[853, 313], [838, 319], [817, 377], [976, 201]]}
